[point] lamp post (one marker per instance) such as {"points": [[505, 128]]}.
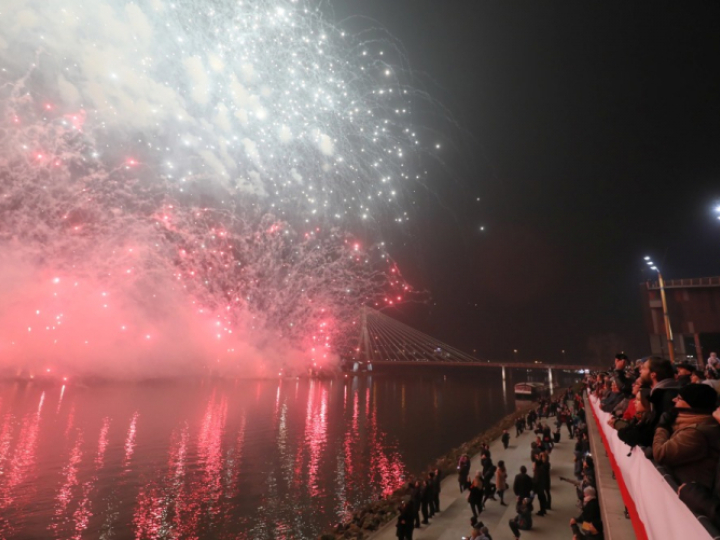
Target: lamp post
{"points": [[515, 352], [666, 317]]}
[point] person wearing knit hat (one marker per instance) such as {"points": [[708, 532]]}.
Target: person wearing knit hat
{"points": [[698, 396], [687, 439]]}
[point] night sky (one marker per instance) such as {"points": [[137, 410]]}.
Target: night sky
{"points": [[591, 134]]}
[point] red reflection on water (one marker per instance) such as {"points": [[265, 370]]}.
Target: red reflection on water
{"points": [[70, 422], [159, 507], [62, 393], [66, 492], [5, 441], [387, 469], [102, 443], [130, 440], [232, 465], [21, 466], [176, 505], [83, 513], [316, 435], [210, 450]]}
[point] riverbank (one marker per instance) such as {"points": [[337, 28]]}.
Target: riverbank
{"points": [[375, 515]]}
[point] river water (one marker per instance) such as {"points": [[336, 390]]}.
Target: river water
{"points": [[281, 459]]}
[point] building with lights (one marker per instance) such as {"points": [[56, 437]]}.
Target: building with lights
{"points": [[694, 308]]}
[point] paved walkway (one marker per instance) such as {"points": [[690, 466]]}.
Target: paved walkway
{"points": [[453, 522]]}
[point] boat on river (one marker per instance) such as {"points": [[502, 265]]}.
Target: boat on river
{"points": [[531, 390]]}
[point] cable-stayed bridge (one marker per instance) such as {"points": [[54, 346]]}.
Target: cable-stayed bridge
{"points": [[386, 341]]}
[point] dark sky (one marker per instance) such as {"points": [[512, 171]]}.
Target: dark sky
{"points": [[591, 133]]}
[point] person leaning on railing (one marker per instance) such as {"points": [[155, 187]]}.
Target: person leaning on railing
{"points": [[639, 430], [701, 499], [687, 438]]}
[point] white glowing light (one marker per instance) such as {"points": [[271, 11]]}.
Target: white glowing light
{"points": [[236, 138]]}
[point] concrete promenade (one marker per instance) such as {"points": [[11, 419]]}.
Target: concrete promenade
{"points": [[453, 522]]}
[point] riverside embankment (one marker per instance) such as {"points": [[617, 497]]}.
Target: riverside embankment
{"points": [[380, 515]]}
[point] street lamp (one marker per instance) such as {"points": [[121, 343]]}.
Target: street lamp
{"points": [[515, 352], [717, 211], [668, 330]]}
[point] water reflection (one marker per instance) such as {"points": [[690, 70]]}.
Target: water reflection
{"points": [[225, 460], [66, 494], [16, 482]]}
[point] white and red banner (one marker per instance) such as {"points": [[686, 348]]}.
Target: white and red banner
{"points": [[654, 507]]}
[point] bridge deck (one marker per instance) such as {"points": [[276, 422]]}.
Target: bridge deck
{"points": [[441, 363]]}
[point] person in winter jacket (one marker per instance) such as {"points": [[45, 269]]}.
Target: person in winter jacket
{"points": [[687, 439], [701, 499]]}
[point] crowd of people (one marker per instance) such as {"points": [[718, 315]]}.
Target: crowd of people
{"points": [[567, 411], [671, 412], [530, 490]]}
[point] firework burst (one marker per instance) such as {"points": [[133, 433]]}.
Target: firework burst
{"points": [[180, 179]]}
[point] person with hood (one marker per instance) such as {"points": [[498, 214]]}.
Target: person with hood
{"points": [[687, 439], [588, 524], [658, 374]]}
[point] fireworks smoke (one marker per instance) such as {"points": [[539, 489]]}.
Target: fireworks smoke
{"points": [[179, 182]]}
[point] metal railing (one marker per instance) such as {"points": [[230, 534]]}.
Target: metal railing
{"points": [[686, 283]]}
